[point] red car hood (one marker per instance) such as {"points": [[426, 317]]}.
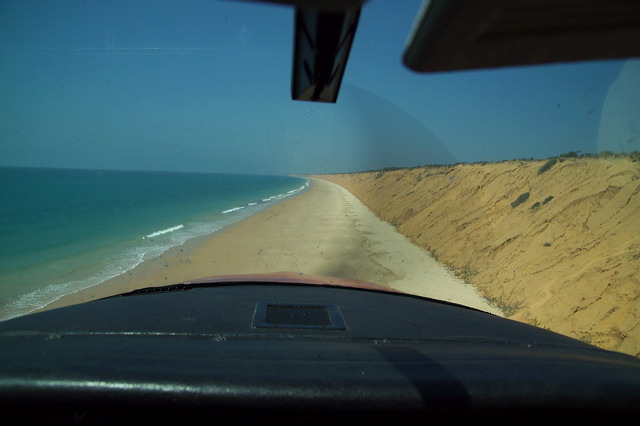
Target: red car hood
{"points": [[294, 278]]}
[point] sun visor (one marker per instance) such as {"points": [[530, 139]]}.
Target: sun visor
{"points": [[470, 34]]}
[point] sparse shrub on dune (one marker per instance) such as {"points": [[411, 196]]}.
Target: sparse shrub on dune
{"points": [[546, 166], [521, 199], [571, 154], [539, 204]]}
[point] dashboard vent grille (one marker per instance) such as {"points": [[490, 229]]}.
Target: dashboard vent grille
{"points": [[294, 315]]}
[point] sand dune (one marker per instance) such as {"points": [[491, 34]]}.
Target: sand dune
{"points": [[325, 231], [557, 247]]}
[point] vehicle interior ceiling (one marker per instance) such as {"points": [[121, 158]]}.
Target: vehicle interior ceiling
{"points": [[465, 35], [448, 36]]}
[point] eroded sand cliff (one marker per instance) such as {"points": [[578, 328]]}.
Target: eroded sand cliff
{"points": [[553, 243]]}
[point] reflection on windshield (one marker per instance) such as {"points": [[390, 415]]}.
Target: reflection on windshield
{"points": [[104, 89]]}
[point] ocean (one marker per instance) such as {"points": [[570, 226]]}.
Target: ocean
{"points": [[64, 230]]}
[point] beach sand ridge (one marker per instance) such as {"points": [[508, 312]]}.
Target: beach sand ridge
{"points": [[325, 231]]}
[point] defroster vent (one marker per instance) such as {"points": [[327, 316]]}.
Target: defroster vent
{"points": [[292, 315]]}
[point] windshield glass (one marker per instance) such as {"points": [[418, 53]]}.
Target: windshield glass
{"points": [[152, 143]]}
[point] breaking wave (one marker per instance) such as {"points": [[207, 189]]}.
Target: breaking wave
{"points": [[164, 231]]}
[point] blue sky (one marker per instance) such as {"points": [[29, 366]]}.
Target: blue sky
{"points": [[205, 86]]}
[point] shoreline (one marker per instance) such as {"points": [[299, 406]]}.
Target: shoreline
{"points": [[107, 239], [329, 232]]}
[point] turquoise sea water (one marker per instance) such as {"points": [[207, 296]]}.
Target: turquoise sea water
{"points": [[64, 230]]}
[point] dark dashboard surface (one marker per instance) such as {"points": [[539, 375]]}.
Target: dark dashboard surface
{"points": [[285, 351]]}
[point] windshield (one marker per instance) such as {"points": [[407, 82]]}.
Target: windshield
{"points": [[145, 144]]}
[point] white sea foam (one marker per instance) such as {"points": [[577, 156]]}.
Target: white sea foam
{"points": [[235, 209], [113, 266], [42, 297], [164, 231], [286, 194]]}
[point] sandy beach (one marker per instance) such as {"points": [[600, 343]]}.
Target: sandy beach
{"points": [[324, 231]]}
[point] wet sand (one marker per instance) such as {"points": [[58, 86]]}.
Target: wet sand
{"points": [[324, 231]]}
